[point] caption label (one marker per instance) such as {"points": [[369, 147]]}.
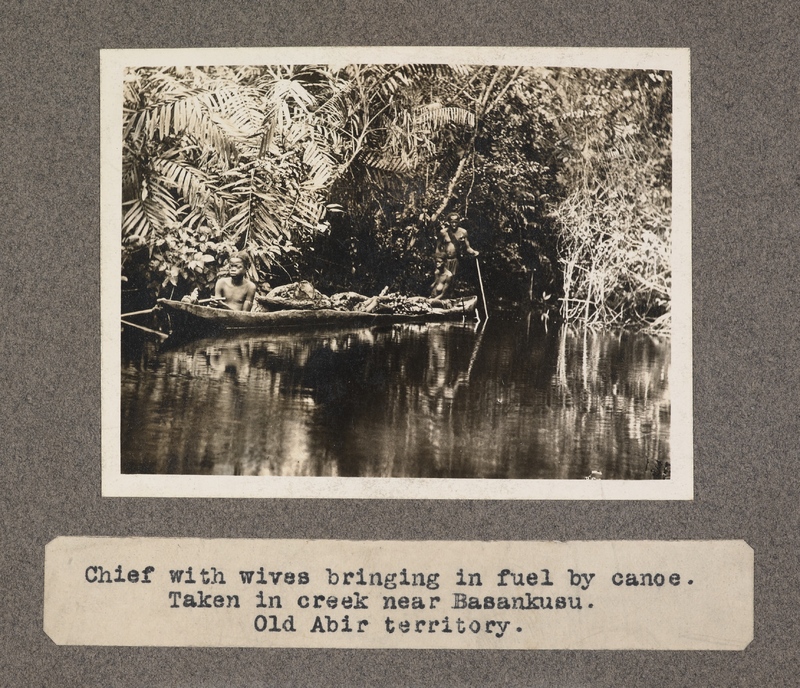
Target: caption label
{"points": [[676, 595]]}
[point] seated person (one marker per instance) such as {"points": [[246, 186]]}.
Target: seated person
{"points": [[235, 291], [441, 281]]}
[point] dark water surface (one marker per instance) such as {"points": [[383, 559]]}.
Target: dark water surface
{"points": [[445, 400]]}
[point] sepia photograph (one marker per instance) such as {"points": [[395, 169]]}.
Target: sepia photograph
{"points": [[397, 273], [446, 342]]}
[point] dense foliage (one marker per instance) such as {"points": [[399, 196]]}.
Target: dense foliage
{"points": [[614, 219], [339, 174]]}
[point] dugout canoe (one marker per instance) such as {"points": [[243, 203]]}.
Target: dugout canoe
{"points": [[193, 317]]}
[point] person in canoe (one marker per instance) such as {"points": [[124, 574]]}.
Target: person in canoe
{"points": [[451, 242], [233, 291]]}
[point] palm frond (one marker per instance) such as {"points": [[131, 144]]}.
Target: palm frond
{"points": [[200, 115], [144, 219], [190, 182], [130, 178], [380, 161], [436, 117], [320, 162]]}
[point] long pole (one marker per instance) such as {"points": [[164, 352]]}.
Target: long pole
{"points": [[146, 329], [483, 293], [149, 310]]}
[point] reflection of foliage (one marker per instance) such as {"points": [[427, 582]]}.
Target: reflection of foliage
{"points": [[662, 470], [592, 378], [339, 174], [437, 400]]}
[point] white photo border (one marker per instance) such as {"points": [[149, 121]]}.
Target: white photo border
{"points": [[116, 484]]}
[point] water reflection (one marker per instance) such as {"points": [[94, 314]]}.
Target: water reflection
{"points": [[445, 400]]}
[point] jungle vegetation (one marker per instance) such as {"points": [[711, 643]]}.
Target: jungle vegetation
{"points": [[337, 174]]}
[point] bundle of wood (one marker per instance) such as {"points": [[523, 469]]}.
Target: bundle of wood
{"points": [[347, 300], [397, 303], [294, 296], [303, 296]]}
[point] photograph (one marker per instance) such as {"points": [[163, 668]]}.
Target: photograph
{"points": [[397, 273], [422, 344]]}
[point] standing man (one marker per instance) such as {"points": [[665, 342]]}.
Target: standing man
{"points": [[451, 242]]}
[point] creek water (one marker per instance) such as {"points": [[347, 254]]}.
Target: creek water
{"points": [[510, 399]]}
